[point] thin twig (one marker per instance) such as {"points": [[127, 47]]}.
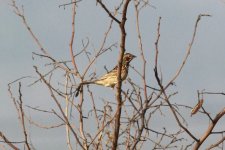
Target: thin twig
{"points": [[65, 119], [9, 142], [76, 72], [22, 118], [108, 12], [217, 143]]}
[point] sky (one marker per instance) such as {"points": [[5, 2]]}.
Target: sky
{"points": [[52, 25]]}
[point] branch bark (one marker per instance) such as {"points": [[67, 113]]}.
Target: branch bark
{"points": [[209, 130], [8, 142], [119, 81]]}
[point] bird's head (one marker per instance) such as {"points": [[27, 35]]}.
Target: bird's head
{"points": [[127, 58]]}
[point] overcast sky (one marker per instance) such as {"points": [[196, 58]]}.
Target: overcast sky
{"points": [[204, 69]]}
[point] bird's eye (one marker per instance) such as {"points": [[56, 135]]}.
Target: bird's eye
{"points": [[127, 58]]}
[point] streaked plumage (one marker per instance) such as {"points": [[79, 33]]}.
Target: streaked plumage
{"points": [[110, 79]]}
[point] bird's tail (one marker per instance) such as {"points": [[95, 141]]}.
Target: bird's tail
{"points": [[80, 85]]}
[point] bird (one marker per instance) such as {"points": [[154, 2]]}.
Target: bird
{"points": [[110, 79]]}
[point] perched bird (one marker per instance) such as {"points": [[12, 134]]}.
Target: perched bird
{"points": [[110, 78]]}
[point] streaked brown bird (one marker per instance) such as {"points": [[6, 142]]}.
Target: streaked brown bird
{"points": [[110, 79]]}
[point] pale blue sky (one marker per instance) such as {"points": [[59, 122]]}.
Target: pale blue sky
{"points": [[204, 69]]}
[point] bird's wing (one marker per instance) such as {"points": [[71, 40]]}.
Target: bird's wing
{"points": [[112, 73]]}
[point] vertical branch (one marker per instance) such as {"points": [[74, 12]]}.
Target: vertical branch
{"points": [[94, 107], [67, 115], [146, 101], [141, 48], [81, 121], [119, 81], [72, 38], [77, 74], [22, 117], [157, 43]]}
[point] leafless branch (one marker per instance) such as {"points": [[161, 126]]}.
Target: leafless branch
{"points": [[60, 108], [188, 51], [22, 117], [119, 81], [209, 130], [217, 143], [9, 142], [108, 12]]}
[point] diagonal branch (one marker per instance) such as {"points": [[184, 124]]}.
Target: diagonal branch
{"points": [[188, 50], [217, 143], [65, 119], [108, 12], [8, 142], [185, 58], [171, 107], [209, 130]]}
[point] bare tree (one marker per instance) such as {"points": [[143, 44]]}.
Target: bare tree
{"points": [[124, 123]]}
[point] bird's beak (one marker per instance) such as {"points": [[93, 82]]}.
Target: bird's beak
{"points": [[134, 56]]}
